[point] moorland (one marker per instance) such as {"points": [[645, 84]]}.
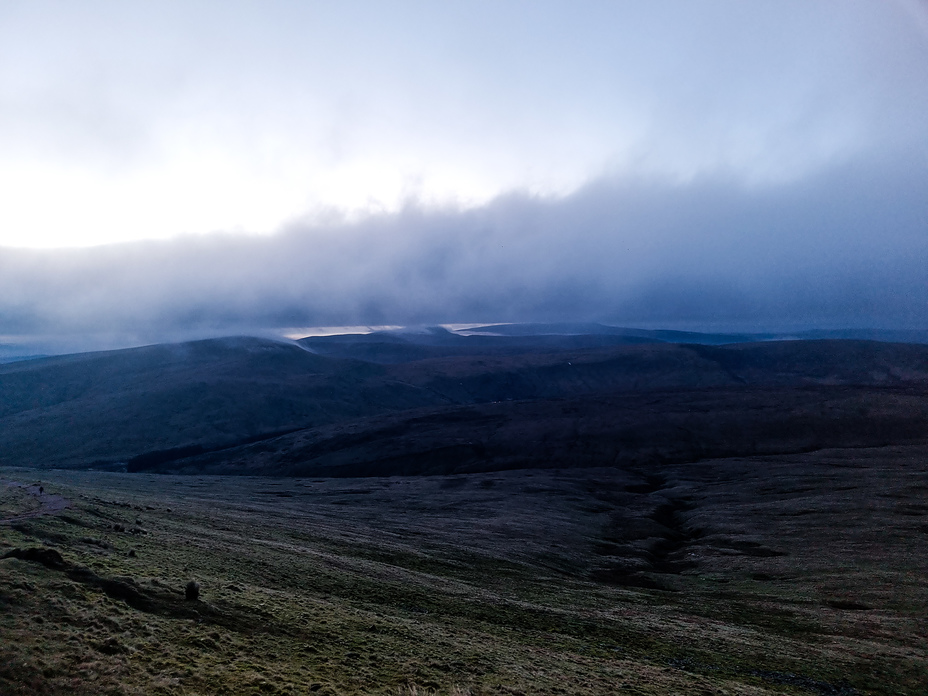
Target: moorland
{"points": [[522, 510]]}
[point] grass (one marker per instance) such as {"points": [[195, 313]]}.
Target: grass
{"points": [[411, 586]]}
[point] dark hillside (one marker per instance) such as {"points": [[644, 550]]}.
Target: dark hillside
{"points": [[669, 367], [608, 430], [50, 381], [108, 407], [249, 405], [821, 362]]}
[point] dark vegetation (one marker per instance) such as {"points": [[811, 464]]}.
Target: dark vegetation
{"points": [[594, 513], [252, 406], [798, 574]]}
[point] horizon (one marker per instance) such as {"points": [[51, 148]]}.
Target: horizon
{"points": [[17, 349]]}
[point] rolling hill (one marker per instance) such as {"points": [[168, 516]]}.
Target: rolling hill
{"points": [[249, 405]]}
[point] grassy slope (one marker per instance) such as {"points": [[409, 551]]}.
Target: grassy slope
{"points": [[798, 574]]}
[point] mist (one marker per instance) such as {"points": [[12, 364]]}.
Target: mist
{"points": [[202, 169], [843, 248]]}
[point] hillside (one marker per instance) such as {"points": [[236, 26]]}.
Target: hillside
{"points": [[107, 407], [758, 576], [641, 518], [248, 405]]}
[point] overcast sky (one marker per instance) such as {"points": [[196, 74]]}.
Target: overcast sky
{"points": [[211, 166]]}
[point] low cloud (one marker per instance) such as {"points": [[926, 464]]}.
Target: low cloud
{"points": [[845, 247]]}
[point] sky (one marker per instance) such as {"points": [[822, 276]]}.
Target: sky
{"points": [[203, 167]]}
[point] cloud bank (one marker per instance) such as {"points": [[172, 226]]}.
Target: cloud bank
{"points": [[705, 164], [846, 247], [122, 121]]}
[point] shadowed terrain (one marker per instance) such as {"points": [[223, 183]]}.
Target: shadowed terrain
{"points": [[261, 407], [566, 516], [799, 574]]}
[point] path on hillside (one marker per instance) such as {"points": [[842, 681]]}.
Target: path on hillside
{"points": [[48, 502]]}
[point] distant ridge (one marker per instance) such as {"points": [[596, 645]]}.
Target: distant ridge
{"points": [[708, 338], [884, 335], [659, 335], [397, 346], [19, 358], [442, 402], [421, 343]]}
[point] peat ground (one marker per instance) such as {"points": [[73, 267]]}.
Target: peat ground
{"points": [[799, 574]]}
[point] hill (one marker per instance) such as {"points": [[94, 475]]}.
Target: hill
{"points": [[248, 405], [637, 518], [102, 408]]}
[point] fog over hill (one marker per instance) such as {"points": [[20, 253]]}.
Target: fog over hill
{"points": [[844, 248]]}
